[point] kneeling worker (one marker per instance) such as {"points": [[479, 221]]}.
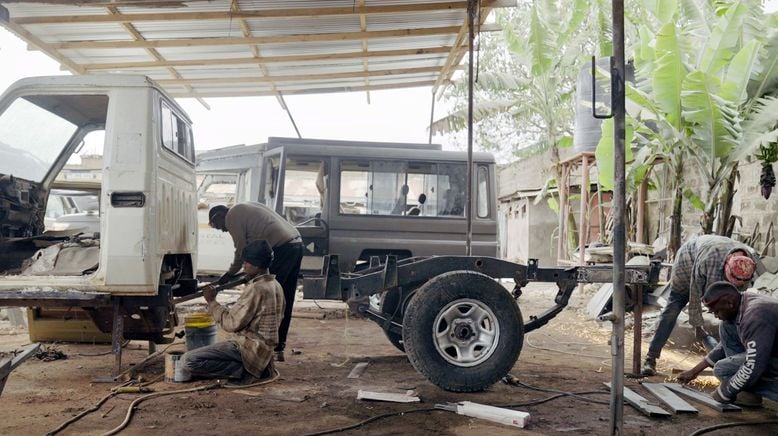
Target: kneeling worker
{"points": [[746, 359], [254, 319]]}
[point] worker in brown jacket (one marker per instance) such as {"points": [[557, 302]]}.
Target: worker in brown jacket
{"points": [[251, 221], [253, 320]]}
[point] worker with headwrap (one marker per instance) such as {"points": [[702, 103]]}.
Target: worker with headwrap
{"points": [[254, 320], [253, 221], [698, 263]]}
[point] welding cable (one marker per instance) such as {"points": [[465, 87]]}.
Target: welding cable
{"points": [[733, 424], [139, 400], [514, 381], [573, 353], [87, 411], [276, 375], [373, 418]]}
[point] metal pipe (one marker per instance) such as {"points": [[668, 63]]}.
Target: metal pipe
{"points": [[289, 113], [432, 117], [472, 9], [619, 204], [637, 330], [583, 227]]}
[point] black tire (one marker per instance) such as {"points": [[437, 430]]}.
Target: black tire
{"points": [[446, 345], [396, 340]]}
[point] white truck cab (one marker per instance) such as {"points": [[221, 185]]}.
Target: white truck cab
{"points": [[144, 252]]}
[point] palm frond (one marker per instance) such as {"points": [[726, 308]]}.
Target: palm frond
{"points": [[669, 73], [696, 16], [739, 72], [457, 120], [720, 46]]}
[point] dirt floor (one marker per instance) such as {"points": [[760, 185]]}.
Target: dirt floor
{"points": [[314, 394]]}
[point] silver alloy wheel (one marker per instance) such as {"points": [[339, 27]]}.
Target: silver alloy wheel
{"points": [[466, 332]]}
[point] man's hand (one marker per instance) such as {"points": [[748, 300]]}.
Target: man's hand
{"points": [[687, 376], [209, 293]]}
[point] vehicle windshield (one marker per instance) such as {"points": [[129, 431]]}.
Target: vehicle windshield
{"points": [[31, 139]]}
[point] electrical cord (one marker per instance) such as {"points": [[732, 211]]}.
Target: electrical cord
{"points": [[733, 424], [87, 411], [559, 394], [371, 419], [105, 353], [513, 380]]}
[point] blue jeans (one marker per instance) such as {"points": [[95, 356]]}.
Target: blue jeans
{"points": [[666, 322], [220, 360], [725, 368]]}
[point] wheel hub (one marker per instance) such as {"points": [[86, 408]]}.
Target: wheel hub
{"points": [[466, 332]]}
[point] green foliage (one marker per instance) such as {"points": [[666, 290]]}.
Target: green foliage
{"points": [[605, 152]]}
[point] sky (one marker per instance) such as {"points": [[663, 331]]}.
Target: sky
{"points": [[400, 115]]}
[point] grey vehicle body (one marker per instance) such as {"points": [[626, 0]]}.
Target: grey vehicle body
{"points": [[346, 198]]}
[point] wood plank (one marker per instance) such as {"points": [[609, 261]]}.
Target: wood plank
{"points": [[387, 396], [702, 398], [265, 13], [265, 59], [643, 405], [309, 90], [297, 77], [359, 368], [200, 42], [665, 395]]}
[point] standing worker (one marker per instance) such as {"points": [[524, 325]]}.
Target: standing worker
{"points": [[251, 221], [254, 320], [698, 263], [746, 359]]}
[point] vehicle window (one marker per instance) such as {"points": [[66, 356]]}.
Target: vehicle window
{"points": [[271, 171], [483, 191], [29, 151], [303, 189], [176, 134], [401, 188], [217, 189]]}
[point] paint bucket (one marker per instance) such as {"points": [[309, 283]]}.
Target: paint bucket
{"points": [[200, 330], [173, 367]]}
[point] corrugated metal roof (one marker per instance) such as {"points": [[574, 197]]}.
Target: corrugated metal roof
{"points": [[254, 47]]}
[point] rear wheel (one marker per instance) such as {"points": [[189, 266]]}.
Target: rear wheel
{"points": [[463, 331]]}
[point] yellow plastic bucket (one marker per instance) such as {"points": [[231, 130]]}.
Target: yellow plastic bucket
{"points": [[200, 330]]}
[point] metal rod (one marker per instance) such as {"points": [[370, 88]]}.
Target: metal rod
{"points": [[432, 117], [472, 6], [117, 337], [289, 114], [637, 330], [619, 204]]}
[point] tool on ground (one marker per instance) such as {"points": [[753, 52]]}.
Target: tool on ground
{"points": [[513, 418], [238, 280]]}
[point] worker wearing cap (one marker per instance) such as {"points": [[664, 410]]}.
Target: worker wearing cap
{"points": [[254, 221], [254, 321], [746, 359], [698, 263]]}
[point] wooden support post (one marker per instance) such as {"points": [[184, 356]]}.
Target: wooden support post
{"points": [[640, 238], [583, 223], [562, 187], [117, 337]]}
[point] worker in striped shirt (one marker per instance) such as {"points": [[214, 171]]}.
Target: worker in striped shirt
{"points": [[698, 263]]}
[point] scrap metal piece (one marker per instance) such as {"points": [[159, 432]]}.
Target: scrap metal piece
{"points": [[359, 368], [10, 363], [643, 405], [665, 395], [702, 398]]}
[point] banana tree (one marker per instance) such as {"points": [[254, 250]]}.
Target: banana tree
{"points": [[703, 73]]}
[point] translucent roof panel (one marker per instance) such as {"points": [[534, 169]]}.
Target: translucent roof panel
{"points": [[254, 47]]}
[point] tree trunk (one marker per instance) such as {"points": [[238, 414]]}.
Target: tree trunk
{"points": [[675, 222], [725, 201]]}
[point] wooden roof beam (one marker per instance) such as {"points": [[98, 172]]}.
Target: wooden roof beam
{"points": [[264, 59], [455, 57], [259, 93], [199, 42], [363, 28], [154, 53], [298, 77], [267, 13]]}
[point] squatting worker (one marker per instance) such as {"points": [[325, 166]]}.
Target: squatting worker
{"points": [[746, 359], [253, 221], [254, 320], [698, 263]]}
